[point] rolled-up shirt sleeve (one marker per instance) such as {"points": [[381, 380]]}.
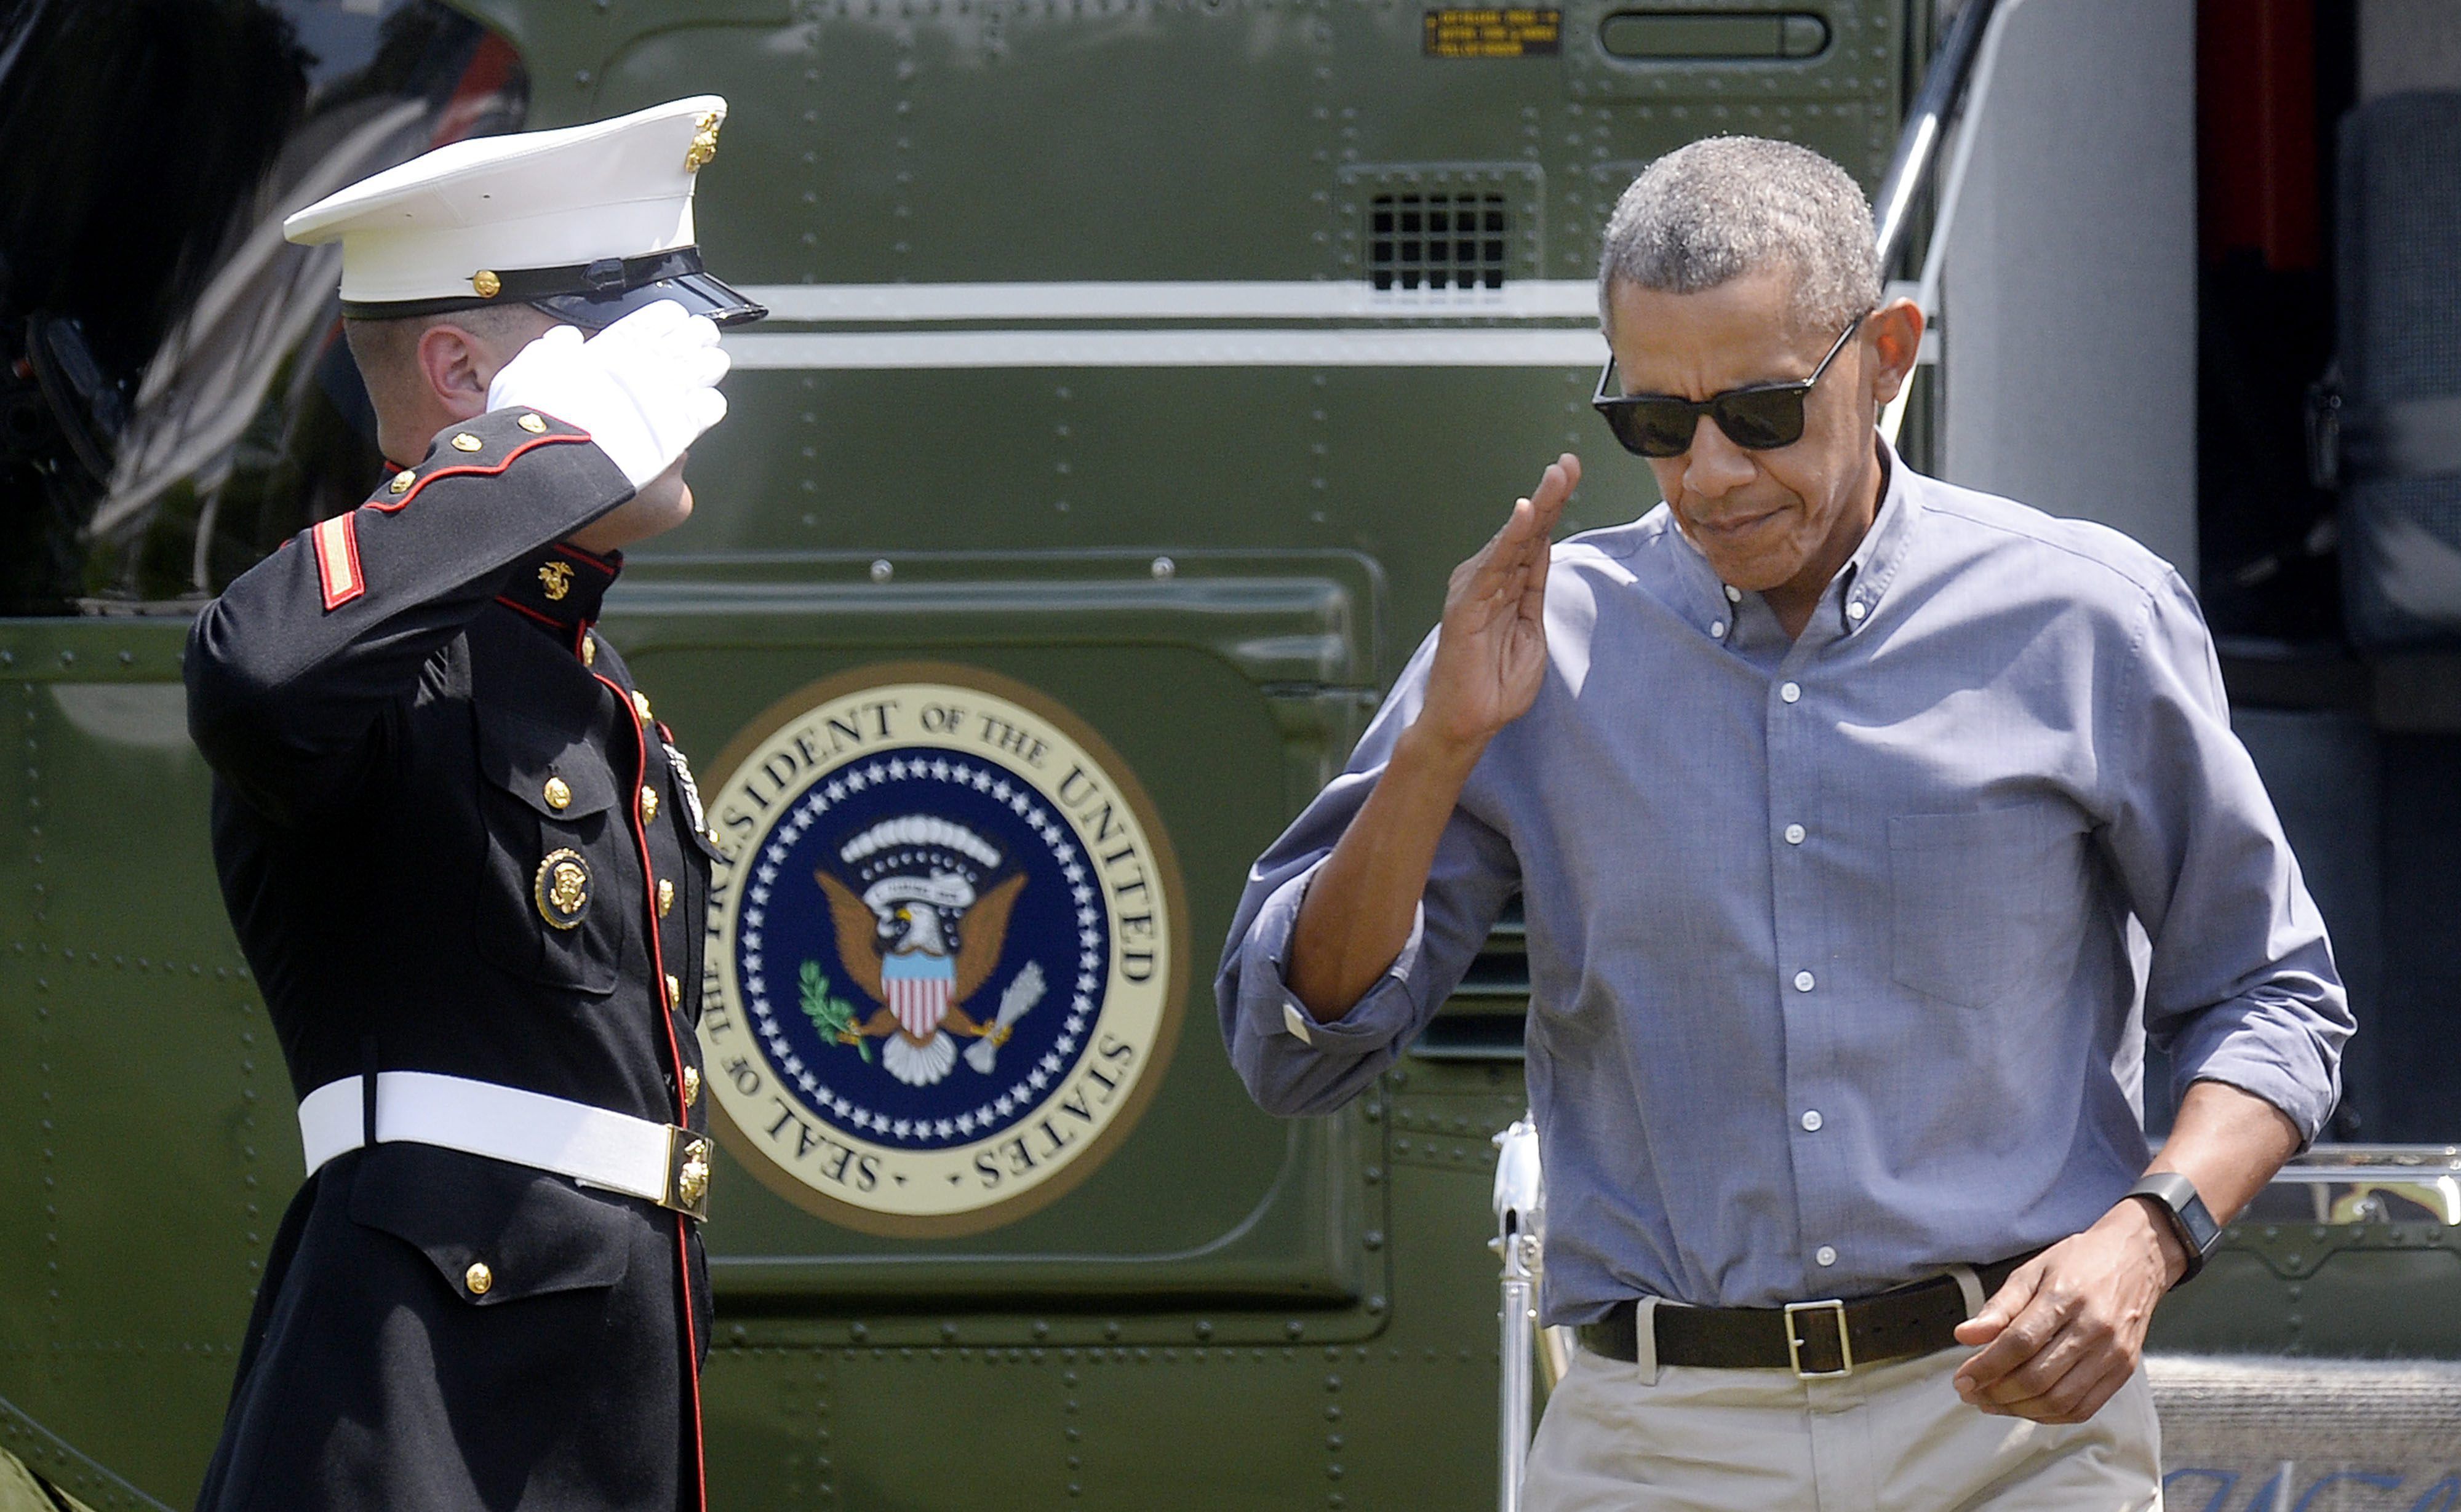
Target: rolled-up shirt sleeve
{"points": [[1292, 1062], [2242, 988]]}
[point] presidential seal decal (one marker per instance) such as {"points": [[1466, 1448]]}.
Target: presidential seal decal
{"points": [[945, 957]]}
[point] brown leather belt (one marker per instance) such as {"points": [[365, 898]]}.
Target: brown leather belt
{"points": [[1810, 1338]]}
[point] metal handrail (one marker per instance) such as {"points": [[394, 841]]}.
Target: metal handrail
{"points": [[1927, 120], [1520, 1219], [1958, 80], [2333, 1164]]}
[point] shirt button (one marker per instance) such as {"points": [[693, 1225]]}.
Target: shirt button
{"points": [[1718, 628], [1811, 1122], [1733, 594], [1803, 981], [1826, 1255], [1794, 834], [1856, 610], [1789, 692], [1297, 1023]]}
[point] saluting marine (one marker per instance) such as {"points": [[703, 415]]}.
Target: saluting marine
{"points": [[467, 863]]}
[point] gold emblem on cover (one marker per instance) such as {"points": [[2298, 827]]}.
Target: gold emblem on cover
{"points": [[561, 889], [704, 144], [555, 579], [487, 284]]}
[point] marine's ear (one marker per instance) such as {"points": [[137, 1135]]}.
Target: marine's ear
{"points": [[457, 367]]}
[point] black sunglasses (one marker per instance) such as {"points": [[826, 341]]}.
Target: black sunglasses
{"points": [[1758, 418]]}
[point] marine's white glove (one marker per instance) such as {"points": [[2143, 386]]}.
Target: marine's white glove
{"points": [[645, 387]]}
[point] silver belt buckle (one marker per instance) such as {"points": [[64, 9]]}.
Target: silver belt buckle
{"points": [[1794, 1340], [687, 1174]]}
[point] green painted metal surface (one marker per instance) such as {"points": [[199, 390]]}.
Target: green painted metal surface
{"points": [[1217, 567]]}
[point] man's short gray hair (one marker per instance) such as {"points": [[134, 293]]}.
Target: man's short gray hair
{"points": [[1725, 206], [387, 342]]}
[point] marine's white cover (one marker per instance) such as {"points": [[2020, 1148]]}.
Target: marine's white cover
{"points": [[536, 198]]}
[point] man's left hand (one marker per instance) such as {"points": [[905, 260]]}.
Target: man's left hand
{"points": [[2066, 1331]]}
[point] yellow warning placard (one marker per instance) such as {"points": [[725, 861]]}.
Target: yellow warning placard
{"points": [[1494, 33]]}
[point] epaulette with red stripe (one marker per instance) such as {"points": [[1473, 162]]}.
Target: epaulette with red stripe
{"points": [[470, 451]]}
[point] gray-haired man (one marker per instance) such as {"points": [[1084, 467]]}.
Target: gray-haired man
{"points": [[1830, 791]]}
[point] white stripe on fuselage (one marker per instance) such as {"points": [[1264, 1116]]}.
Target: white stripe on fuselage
{"points": [[1346, 299], [1547, 322]]}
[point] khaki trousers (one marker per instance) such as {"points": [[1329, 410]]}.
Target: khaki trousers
{"points": [[1892, 1438]]}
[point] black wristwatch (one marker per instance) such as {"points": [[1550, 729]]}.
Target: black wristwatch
{"points": [[2176, 1196]]}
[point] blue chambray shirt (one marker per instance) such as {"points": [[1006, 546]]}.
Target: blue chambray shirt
{"points": [[1831, 983]]}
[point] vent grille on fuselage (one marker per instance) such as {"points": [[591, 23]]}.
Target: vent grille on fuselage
{"points": [[1437, 240]]}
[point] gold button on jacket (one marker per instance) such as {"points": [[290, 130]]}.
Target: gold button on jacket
{"points": [[691, 1085], [467, 442], [649, 805], [478, 1278], [666, 896], [558, 794]]}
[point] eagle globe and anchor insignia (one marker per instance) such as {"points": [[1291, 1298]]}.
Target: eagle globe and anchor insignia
{"points": [[944, 968]]}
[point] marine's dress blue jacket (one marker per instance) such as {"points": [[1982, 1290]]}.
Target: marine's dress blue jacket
{"points": [[408, 715]]}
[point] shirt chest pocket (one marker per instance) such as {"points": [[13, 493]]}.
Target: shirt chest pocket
{"points": [[551, 905], [1984, 905]]}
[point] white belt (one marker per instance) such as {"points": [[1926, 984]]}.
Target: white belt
{"points": [[657, 1162]]}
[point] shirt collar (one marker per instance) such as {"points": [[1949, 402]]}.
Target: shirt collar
{"points": [[1866, 577], [1857, 588], [562, 585]]}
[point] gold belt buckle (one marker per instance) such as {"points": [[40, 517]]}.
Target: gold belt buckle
{"points": [[1794, 1340], [687, 1174]]}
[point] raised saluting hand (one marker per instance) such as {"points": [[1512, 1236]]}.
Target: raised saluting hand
{"points": [[645, 387], [1491, 648], [1490, 660]]}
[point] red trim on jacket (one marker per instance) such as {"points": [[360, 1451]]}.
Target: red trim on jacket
{"points": [[337, 560], [524, 608], [470, 470], [603, 564], [675, 1062]]}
